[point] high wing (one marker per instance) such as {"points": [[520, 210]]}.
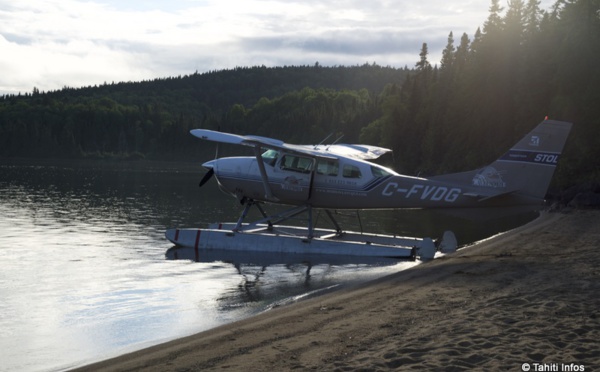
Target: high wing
{"points": [[361, 152], [234, 139]]}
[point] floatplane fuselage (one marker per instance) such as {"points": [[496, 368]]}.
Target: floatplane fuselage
{"points": [[341, 176]]}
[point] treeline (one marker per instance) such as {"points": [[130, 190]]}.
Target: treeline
{"points": [[490, 89], [152, 119]]}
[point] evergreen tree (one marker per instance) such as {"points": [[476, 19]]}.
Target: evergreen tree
{"points": [[423, 63], [493, 24], [532, 17], [462, 54], [448, 54], [515, 23], [474, 49]]}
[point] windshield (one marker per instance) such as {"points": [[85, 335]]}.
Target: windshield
{"points": [[270, 156]]}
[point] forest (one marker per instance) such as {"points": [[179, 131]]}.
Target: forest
{"points": [[152, 119], [491, 88]]}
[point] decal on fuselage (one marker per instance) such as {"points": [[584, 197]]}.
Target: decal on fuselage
{"points": [[488, 177], [424, 192], [291, 183]]}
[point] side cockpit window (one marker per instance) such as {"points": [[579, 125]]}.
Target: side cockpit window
{"points": [[296, 163], [328, 167]]}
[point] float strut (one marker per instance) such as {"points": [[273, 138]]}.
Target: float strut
{"points": [[249, 204], [310, 223], [262, 211], [338, 229]]}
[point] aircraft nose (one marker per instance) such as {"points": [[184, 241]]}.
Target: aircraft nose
{"points": [[209, 164]]}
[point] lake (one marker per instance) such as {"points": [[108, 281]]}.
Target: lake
{"points": [[86, 273]]}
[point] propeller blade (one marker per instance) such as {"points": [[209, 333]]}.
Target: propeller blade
{"points": [[206, 177]]}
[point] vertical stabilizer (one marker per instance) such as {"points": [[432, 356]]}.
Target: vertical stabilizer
{"points": [[526, 169], [529, 165]]}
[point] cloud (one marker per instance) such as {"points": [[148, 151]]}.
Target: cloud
{"points": [[54, 43], [347, 47]]}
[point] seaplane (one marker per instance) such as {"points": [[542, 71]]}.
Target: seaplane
{"points": [[332, 177]]}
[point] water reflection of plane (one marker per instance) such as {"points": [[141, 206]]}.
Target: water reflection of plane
{"points": [[282, 269], [258, 258]]}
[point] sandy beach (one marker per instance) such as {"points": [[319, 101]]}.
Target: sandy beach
{"points": [[528, 296]]}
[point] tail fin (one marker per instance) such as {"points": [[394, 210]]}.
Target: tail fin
{"points": [[527, 168]]}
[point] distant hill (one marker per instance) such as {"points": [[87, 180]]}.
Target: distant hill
{"points": [[152, 118], [242, 85]]}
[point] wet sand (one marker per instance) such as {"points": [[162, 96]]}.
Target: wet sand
{"points": [[528, 296]]}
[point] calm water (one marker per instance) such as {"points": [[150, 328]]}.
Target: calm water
{"points": [[86, 273]]}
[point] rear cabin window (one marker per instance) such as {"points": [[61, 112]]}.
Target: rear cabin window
{"points": [[379, 172], [327, 167], [351, 171], [296, 163]]}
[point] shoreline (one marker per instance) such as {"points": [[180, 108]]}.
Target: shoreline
{"points": [[529, 295]]}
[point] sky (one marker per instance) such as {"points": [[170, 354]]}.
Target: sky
{"points": [[51, 44]]}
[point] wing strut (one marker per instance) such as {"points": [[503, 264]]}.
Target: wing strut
{"points": [[263, 174]]}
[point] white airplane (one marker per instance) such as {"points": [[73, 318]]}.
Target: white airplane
{"points": [[340, 176]]}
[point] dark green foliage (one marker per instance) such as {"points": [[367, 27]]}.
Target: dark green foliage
{"points": [[488, 92], [153, 118]]}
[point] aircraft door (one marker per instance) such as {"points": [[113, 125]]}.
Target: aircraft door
{"points": [[294, 176]]}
